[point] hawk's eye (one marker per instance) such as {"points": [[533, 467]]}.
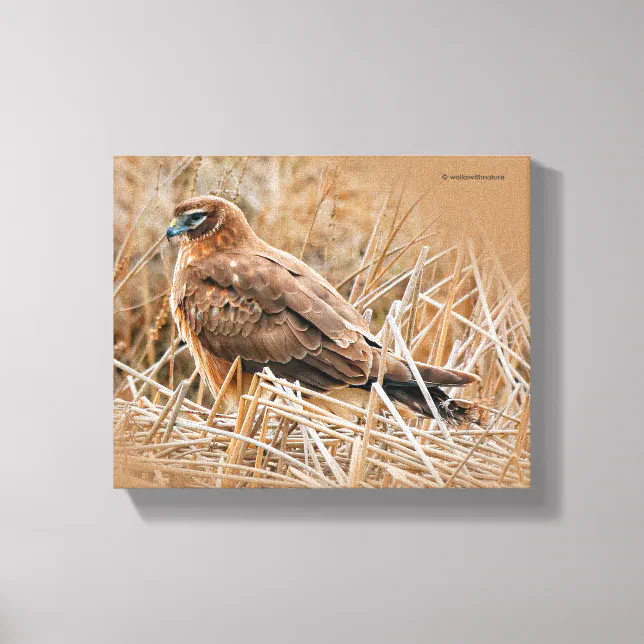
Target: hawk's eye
{"points": [[195, 219]]}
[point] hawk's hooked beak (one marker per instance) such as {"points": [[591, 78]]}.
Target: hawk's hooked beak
{"points": [[177, 226]]}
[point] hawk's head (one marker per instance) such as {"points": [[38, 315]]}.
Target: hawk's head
{"points": [[203, 217]]}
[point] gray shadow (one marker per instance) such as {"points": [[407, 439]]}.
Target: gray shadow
{"points": [[541, 502]]}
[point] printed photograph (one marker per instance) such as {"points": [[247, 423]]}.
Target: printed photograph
{"points": [[321, 322]]}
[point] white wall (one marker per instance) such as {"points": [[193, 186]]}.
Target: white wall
{"points": [[80, 562]]}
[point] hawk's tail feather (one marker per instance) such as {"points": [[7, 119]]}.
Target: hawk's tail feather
{"points": [[452, 411]]}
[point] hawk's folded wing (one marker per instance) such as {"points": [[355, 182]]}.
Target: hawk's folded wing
{"points": [[254, 306]]}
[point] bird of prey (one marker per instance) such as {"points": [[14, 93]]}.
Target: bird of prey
{"points": [[235, 295]]}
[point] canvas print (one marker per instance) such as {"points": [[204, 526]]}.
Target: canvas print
{"points": [[322, 322]]}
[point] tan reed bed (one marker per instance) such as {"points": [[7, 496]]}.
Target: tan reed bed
{"points": [[458, 309]]}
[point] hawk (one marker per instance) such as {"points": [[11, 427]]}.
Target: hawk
{"points": [[235, 295]]}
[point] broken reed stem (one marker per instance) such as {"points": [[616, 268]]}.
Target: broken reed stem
{"points": [[221, 394], [162, 416], [262, 439], [416, 281], [419, 381], [520, 442], [355, 463], [182, 389], [366, 439], [247, 407], [447, 309]]}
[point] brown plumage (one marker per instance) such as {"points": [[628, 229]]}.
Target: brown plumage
{"points": [[234, 295]]}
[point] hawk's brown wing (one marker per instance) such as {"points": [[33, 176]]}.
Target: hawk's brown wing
{"points": [[397, 370], [253, 306]]}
